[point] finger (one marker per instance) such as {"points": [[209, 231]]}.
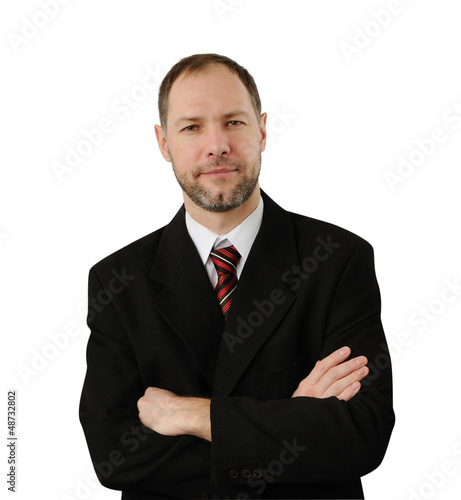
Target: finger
{"points": [[342, 384], [350, 392], [325, 364], [143, 407], [339, 372]]}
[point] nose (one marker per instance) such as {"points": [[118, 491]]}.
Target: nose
{"points": [[218, 143]]}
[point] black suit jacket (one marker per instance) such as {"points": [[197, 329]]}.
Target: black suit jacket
{"points": [[307, 288]]}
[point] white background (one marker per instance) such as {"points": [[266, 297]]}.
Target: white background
{"points": [[353, 106]]}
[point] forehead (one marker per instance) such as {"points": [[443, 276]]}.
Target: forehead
{"points": [[214, 88]]}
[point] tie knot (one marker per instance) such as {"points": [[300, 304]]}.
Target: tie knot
{"points": [[225, 260]]}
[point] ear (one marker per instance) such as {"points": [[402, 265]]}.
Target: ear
{"points": [[162, 143], [263, 130]]}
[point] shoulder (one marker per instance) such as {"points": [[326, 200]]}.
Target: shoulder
{"points": [[305, 226], [140, 254], [135, 256], [308, 230], [320, 238]]}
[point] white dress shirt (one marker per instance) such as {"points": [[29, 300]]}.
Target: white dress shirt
{"points": [[242, 237]]}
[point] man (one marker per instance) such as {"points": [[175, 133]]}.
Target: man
{"points": [[204, 379]]}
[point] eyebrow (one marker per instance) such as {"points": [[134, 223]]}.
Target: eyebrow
{"points": [[231, 114], [236, 113]]}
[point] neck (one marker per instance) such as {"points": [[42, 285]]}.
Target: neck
{"points": [[223, 222]]}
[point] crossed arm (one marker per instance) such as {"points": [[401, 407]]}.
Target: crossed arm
{"points": [[172, 415]]}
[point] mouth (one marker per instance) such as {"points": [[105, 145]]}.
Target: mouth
{"points": [[220, 172]]}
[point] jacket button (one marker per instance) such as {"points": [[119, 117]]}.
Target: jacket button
{"points": [[246, 473], [233, 474], [257, 473]]}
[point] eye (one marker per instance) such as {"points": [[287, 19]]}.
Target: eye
{"points": [[235, 123], [190, 128]]}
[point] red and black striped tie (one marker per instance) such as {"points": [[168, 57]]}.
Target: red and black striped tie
{"points": [[225, 261]]}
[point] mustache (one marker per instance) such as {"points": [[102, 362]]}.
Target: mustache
{"points": [[216, 163]]}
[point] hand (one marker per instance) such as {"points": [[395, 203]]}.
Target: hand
{"points": [[173, 415], [332, 376]]}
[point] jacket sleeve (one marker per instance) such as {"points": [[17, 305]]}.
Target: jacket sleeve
{"points": [[126, 455], [307, 439]]}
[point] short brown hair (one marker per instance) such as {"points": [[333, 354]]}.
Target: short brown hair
{"points": [[201, 62]]}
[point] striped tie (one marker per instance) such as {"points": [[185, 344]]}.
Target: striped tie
{"points": [[225, 261]]}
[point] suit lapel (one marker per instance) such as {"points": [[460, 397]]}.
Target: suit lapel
{"points": [[187, 301], [186, 298], [261, 300]]}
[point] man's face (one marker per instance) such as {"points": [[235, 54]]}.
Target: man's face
{"points": [[213, 139]]}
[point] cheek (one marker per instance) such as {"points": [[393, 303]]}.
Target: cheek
{"points": [[249, 149], [186, 154]]}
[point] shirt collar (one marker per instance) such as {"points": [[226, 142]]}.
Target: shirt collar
{"points": [[242, 236]]}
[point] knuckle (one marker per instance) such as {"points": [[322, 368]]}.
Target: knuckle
{"points": [[331, 375], [332, 390], [353, 367], [320, 365], [306, 389]]}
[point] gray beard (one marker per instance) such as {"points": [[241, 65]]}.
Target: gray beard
{"points": [[204, 199]]}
